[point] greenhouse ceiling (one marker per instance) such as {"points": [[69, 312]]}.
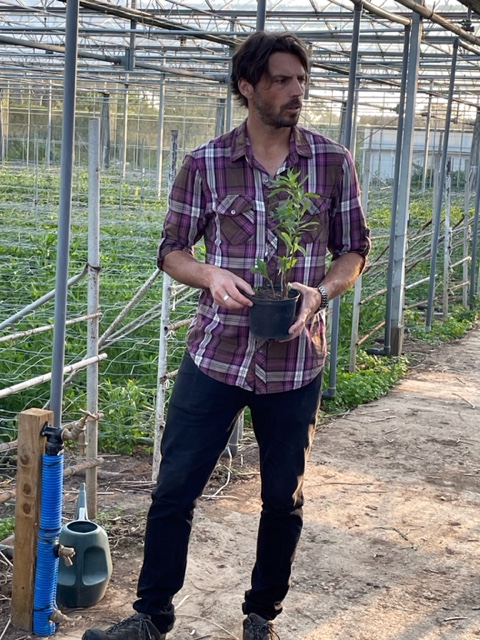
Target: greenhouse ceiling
{"points": [[140, 41]]}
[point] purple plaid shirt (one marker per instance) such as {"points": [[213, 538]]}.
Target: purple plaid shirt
{"points": [[221, 194]]}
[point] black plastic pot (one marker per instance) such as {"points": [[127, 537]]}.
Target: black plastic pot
{"points": [[270, 319]]}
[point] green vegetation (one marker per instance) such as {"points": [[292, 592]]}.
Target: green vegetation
{"points": [[7, 527], [290, 224], [372, 379], [374, 375], [130, 228], [454, 327]]}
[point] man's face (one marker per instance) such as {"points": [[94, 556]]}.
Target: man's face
{"points": [[277, 98]]}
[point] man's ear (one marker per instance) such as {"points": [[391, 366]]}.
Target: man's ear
{"points": [[245, 88]]}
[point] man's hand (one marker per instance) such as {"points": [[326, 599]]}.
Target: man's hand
{"points": [[341, 276], [309, 302], [226, 288]]}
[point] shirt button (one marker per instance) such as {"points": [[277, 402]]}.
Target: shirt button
{"points": [[266, 179], [233, 212]]}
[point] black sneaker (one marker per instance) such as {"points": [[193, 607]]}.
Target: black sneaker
{"points": [[257, 628], [137, 627]]}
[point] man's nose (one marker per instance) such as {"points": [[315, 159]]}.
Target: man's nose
{"points": [[298, 87]]}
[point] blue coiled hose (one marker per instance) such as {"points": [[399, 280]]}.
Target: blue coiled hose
{"points": [[46, 575]]}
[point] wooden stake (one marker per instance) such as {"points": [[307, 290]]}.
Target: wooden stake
{"points": [[30, 448]]}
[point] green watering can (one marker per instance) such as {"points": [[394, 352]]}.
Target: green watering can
{"points": [[83, 582]]}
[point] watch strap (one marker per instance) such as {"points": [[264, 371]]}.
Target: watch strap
{"points": [[324, 294]]}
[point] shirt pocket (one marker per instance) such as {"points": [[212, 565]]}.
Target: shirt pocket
{"points": [[317, 216], [236, 219]]}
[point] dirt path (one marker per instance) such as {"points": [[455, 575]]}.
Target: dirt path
{"points": [[390, 549]]}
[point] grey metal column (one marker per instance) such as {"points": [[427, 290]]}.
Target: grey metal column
{"points": [[162, 378], [2, 141], [261, 14], [105, 142], [220, 117], [63, 245], [125, 131], [473, 266], [439, 200], [94, 165], [394, 208], [347, 141], [229, 107], [48, 142], [427, 141], [161, 120], [352, 78], [129, 66], [400, 241]]}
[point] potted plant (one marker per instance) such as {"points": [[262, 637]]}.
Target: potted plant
{"points": [[274, 307]]}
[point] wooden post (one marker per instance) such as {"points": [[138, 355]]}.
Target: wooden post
{"points": [[30, 448]]}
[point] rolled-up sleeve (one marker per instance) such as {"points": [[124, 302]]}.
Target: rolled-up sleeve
{"points": [[184, 223], [349, 232]]}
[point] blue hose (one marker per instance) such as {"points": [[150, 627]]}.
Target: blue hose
{"points": [[47, 561]]}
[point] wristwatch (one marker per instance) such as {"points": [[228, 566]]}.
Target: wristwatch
{"points": [[324, 294]]}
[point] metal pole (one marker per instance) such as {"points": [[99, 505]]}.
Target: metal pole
{"points": [[229, 111], [473, 266], [125, 131], [261, 14], [427, 141], [63, 245], [394, 209], [161, 120], [93, 306], [447, 243], [220, 117], [2, 139], [466, 232], [400, 232], [7, 121], [347, 140], [352, 78], [105, 130], [438, 201], [48, 143], [163, 342]]}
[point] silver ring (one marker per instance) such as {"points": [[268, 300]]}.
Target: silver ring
{"points": [[226, 297]]}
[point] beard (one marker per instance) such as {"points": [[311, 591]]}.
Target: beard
{"points": [[276, 119]]}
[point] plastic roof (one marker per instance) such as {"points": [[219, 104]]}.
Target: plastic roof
{"points": [[136, 40]]}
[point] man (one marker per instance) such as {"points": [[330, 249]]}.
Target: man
{"points": [[221, 194]]}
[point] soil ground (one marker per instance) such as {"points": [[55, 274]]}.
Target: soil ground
{"points": [[390, 548]]}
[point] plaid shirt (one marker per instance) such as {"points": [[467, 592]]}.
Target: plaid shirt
{"points": [[221, 194]]}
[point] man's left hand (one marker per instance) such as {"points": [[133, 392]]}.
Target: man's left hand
{"points": [[309, 302]]}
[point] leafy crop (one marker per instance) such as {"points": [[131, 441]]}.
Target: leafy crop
{"points": [[131, 220], [290, 224], [7, 527]]}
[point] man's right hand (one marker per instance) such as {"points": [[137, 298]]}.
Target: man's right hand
{"points": [[227, 289]]}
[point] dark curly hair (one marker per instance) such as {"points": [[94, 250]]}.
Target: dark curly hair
{"points": [[250, 60]]}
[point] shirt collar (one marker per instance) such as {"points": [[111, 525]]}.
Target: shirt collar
{"points": [[299, 145]]}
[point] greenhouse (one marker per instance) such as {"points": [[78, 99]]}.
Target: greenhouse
{"points": [[100, 100]]}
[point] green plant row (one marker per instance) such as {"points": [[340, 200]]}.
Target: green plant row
{"points": [[130, 228]]}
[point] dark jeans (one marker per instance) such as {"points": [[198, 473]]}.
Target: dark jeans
{"points": [[200, 419]]}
